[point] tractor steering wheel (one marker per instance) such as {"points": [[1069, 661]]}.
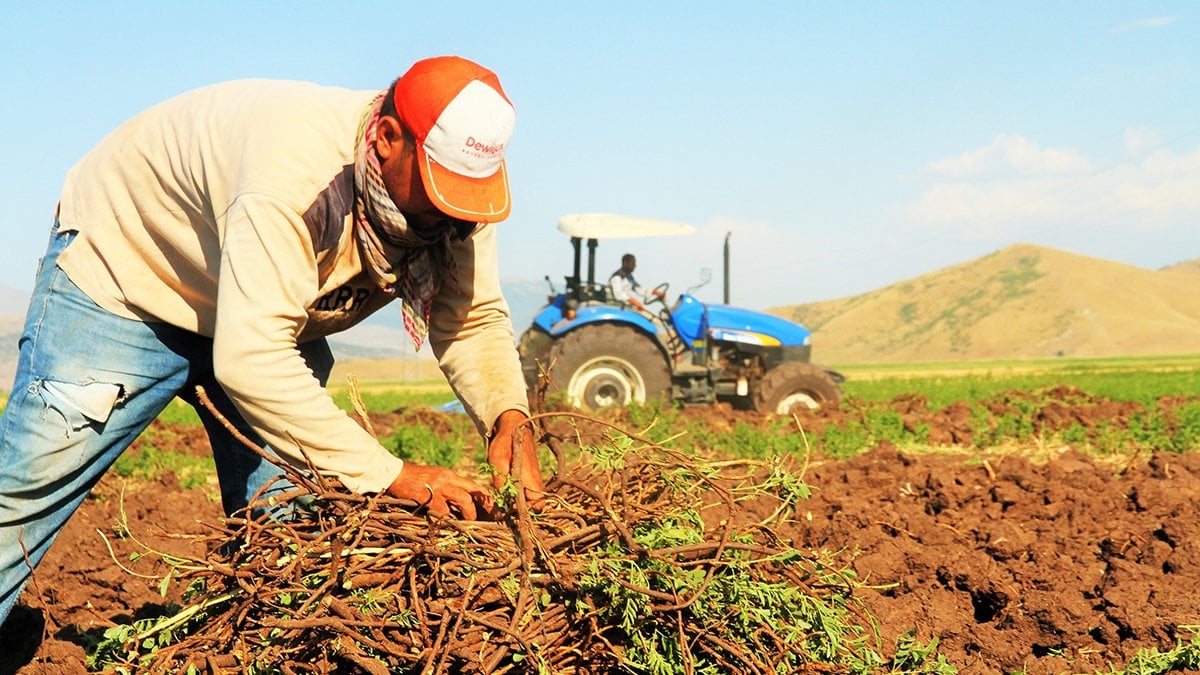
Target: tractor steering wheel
{"points": [[660, 293]]}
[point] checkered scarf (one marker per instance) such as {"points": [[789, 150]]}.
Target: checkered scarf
{"points": [[400, 260]]}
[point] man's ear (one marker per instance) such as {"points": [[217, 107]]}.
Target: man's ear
{"points": [[389, 137]]}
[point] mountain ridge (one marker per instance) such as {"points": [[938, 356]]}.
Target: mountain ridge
{"points": [[1023, 301]]}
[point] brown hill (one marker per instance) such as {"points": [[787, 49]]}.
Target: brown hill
{"points": [[1021, 302], [1187, 267]]}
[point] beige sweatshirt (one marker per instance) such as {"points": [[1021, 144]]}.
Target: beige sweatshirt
{"points": [[227, 211]]}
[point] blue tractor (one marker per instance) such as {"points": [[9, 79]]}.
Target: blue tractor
{"points": [[599, 352]]}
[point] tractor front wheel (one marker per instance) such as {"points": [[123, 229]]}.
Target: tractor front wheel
{"points": [[791, 387], [606, 365]]}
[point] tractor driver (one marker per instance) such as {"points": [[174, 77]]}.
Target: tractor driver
{"points": [[626, 289]]}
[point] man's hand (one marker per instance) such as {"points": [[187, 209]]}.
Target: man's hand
{"points": [[511, 439], [442, 491]]}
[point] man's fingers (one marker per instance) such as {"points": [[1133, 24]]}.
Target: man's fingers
{"points": [[485, 505], [454, 502], [464, 506], [535, 498], [535, 492], [440, 491], [464, 498], [439, 508], [512, 454]]}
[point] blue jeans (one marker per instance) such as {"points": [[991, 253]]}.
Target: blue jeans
{"points": [[88, 383]]}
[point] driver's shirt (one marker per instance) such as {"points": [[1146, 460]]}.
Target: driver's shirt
{"points": [[227, 211], [624, 286]]}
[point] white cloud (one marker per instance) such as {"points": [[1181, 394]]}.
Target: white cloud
{"points": [[1162, 191], [1139, 140], [1152, 22], [1159, 190], [1010, 154], [984, 209]]}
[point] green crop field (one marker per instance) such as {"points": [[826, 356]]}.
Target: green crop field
{"points": [[1141, 379], [1022, 387], [869, 390]]}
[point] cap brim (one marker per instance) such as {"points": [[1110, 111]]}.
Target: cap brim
{"points": [[477, 200]]}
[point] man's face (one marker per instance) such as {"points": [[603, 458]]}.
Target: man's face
{"points": [[402, 177], [630, 264]]}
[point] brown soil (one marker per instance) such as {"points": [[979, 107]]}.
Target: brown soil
{"points": [[1036, 559]]}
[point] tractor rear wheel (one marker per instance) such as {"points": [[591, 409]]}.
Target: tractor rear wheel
{"points": [[791, 387], [606, 365]]}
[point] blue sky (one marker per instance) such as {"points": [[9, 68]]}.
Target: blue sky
{"points": [[844, 145]]}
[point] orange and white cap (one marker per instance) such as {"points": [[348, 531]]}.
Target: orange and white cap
{"points": [[462, 122]]}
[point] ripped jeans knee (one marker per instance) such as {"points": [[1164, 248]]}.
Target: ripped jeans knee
{"points": [[54, 431], [79, 405]]}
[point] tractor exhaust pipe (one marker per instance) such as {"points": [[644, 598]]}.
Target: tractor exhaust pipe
{"points": [[727, 267], [591, 263]]}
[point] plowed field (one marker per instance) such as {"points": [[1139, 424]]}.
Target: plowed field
{"points": [[1037, 558]]}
